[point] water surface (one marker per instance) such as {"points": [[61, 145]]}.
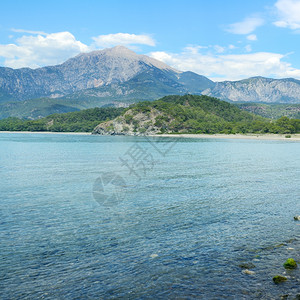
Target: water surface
{"points": [[173, 218]]}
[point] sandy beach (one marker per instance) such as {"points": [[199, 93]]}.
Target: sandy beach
{"points": [[294, 137], [279, 137]]}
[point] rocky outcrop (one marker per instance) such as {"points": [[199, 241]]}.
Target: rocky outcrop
{"points": [[131, 123]]}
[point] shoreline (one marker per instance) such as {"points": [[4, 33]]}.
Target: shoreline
{"points": [[277, 137], [48, 132]]}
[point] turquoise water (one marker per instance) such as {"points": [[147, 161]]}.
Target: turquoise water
{"points": [[95, 217]]}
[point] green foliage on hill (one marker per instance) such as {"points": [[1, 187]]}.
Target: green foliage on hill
{"points": [[178, 114], [43, 107], [272, 111], [81, 121], [203, 114]]}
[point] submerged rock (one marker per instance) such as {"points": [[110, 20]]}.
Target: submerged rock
{"points": [[278, 279], [247, 265], [290, 264], [280, 245], [248, 272]]}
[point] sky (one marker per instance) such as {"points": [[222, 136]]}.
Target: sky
{"points": [[222, 40]]}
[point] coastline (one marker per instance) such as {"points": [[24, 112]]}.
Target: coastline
{"points": [[277, 137], [48, 132]]}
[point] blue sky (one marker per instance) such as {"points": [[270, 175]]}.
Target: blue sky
{"points": [[223, 40]]}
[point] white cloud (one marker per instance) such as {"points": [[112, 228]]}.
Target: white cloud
{"points": [[221, 67], [219, 49], [36, 48], [288, 12], [28, 31], [125, 39], [247, 26], [41, 49], [252, 37]]}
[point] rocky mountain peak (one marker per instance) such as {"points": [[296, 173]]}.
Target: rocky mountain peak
{"points": [[121, 55], [120, 72], [120, 51], [117, 51]]}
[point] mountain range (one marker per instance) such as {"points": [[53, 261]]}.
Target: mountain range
{"points": [[257, 89], [118, 77]]}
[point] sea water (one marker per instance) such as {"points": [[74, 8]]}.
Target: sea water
{"points": [[97, 217]]}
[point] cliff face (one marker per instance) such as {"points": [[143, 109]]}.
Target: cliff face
{"points": [[257, 89]]}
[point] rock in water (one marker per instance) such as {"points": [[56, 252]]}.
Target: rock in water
{"points": [[247, 265], [290, 264], [248, 272], [278, 279], [297, 218]]}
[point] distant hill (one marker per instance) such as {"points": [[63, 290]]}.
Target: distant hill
{"points": [[171, 114], [37, 108], [81, 121], [192, 114], [272, 111]]}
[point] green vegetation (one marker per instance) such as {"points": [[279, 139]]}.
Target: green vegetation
{"points": [[272, 111], [278, 279], [81, 121], [173, 114], [203, 114], [290, 264], [43, 107]]}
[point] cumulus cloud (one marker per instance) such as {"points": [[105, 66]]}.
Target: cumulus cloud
{"points": [[37, 48], [247, 26], [125, 39], [41, 49], [221, 67], [288, 12]]}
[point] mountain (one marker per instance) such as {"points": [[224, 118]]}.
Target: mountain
{"points": [[119, 77], [100, 73], [257, 89]]}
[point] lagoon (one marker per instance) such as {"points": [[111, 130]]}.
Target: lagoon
{"points": [[147, 217]]}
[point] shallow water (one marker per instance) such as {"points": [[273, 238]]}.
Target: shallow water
{"points": [[146, 218]]}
